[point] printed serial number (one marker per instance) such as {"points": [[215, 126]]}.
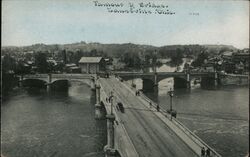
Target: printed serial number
{"points": [[194, 14]]}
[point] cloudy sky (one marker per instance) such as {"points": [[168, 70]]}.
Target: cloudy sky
{"points": [[26, 22]]}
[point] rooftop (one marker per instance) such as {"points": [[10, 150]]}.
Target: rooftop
{"points": [[227, 53], [90, 59]]}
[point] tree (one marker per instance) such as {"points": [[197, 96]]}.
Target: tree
{"points": [[176, 58], [41, 62], [200, 59], [8, 63]]}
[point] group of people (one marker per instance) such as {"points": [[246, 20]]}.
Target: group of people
{"points": [[137, 93], [108, 99], [157, 106], [205, 153]]}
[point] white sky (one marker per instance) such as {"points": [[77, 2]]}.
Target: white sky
{"points": [[26, 22]]}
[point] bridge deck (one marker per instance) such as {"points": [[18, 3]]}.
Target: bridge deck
{"points": [[149, 134]]}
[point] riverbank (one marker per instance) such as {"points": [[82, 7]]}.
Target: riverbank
{"points": [[232, 79]]}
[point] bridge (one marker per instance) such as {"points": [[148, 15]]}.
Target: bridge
{"points": [[54, 80], [138, 130], [181, 79]]}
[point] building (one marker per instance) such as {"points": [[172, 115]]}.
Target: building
{"points": [[72, 68], [208, 67], [243, 57], [92, 65], [227, 55]]}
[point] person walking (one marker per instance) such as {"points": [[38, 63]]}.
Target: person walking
{"points": [[158, 107], [203, 152], [150, 104], [208, 152]]}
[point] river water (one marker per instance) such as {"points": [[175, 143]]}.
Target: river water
{"points": [[219, 117], [36, 124]]}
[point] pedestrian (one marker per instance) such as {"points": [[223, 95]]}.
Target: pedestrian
{"points": [[150, 104], [138, 93], [208, 152], [135, 93], [203, 152], [158, 107]]}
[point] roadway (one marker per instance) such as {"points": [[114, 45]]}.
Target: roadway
{"points": [[148, 133]]}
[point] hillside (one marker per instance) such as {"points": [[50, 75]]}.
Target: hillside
{"points": [[117, 49]]}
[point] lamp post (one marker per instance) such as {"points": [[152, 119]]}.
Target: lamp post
{"points": [[111, 99], [171, 94]]}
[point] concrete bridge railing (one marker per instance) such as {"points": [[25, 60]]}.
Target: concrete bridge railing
{"points": [[60, 76], [192, 140]]}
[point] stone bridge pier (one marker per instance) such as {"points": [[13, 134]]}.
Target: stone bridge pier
{"points": [[49, 82]]}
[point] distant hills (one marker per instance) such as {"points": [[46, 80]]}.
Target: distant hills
{"points": [[116, 49]]}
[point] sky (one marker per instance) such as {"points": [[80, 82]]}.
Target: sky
{"points": [[27, 22]]}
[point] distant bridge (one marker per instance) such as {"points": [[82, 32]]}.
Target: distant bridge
{"points": [[181, 79], [49, 80]]}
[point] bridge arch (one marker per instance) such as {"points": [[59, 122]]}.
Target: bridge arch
{"points": [[37, 83], [60, 85], [166, 83]]}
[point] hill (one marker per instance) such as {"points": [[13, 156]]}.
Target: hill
{"points": [[116, 50]]}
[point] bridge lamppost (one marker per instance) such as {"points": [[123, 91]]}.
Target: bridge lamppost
{"points": [[111, 101], [171, 94]]}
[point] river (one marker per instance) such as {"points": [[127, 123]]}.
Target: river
{"points": [[37, 124], [219, 117]]}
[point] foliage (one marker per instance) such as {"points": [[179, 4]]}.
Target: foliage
{"points": [[8, 63], [200, 59], [41, 62], [176, 58]]}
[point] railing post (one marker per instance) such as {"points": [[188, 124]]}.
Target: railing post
{"points": [[110, 147]]}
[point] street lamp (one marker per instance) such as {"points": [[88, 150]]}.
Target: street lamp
{"points": [[171, 94], [111, 100]]}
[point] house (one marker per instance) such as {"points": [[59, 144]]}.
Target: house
{"points": [[92, 65], [208, 67], [72, 68], [243, 56], [227, 55]]}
